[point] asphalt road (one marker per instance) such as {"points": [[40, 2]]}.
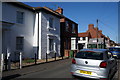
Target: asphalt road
{"points": [[59, 70]]}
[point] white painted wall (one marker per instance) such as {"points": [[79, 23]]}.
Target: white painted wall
{"points": [[83, 41], [25, 30], [45, 33], [29, 30]]}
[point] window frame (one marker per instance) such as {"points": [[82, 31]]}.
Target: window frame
{"points": [[67, 26], [51, 24], [84, 38], [73, 28], [51, 47], [19, 44], [20, 20]]}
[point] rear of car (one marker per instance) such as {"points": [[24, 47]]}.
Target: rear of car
{"points": [[91, 64]]}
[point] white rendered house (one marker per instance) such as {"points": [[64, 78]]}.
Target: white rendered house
{"points": [[30, 30], [17, 29], [46, 33], [83, 40]]}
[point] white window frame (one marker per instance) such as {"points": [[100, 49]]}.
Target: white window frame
{"points": [[51, 45], [67, 26], [20, 18], [53, 24], [84, 38], [73, 43], [73, 28], [51, 36], [19, 43], [51, 21]]}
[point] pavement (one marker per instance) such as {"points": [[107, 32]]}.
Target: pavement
{"points": [[8, 75]]}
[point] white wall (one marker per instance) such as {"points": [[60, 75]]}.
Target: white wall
{"points": [[37, 42], [25, 30], [83, 41]]}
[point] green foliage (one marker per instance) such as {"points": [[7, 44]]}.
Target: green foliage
{"points": [[29, 61]]}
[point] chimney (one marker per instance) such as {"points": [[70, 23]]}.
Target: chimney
{"points": [[59, 10], [90, 26], [96, 28], [100, 31]]}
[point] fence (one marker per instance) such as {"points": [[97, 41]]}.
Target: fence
{"points": [[18, 64]]}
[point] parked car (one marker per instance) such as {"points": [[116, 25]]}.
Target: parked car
{"points": [[115, 51], [94, 63]]}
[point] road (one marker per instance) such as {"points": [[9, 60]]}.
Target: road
{"points": [[59, 69]]}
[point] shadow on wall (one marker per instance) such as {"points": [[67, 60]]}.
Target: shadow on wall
{"points": [[27, 51]]}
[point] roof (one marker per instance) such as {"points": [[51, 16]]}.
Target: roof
{"points": [[20, 4], [40, 8], [95, 50], [85, 34], [53, 11], [46, 9]]}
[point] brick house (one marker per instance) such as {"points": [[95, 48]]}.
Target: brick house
{"points": [[93, 37], [68, 34]]}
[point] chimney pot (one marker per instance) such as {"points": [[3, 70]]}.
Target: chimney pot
{"points": [[90, 26], [59, 10]]}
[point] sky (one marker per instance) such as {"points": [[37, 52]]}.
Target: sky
{"points": [[85, 13]]}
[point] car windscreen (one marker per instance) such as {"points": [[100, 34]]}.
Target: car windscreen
{"points": [[89, 55]]}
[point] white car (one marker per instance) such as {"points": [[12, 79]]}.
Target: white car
{"points": [[94, 63]]}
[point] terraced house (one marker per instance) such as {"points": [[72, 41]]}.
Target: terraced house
{"points": [[29, 30], [36, 30], [46, 33], [17, 29], [69, 34]]}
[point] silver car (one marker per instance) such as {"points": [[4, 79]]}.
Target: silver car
{"points": [[94, 63]]}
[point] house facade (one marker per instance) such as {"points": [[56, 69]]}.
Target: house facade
{"points": [[46, 33], [36, 30], [93, 38], [17, 29], [83, 39], [69, 34], [29, 30]]}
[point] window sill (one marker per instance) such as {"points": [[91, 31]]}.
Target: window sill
{"points": [[51, 28], [19, 23], [51, 52]]}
